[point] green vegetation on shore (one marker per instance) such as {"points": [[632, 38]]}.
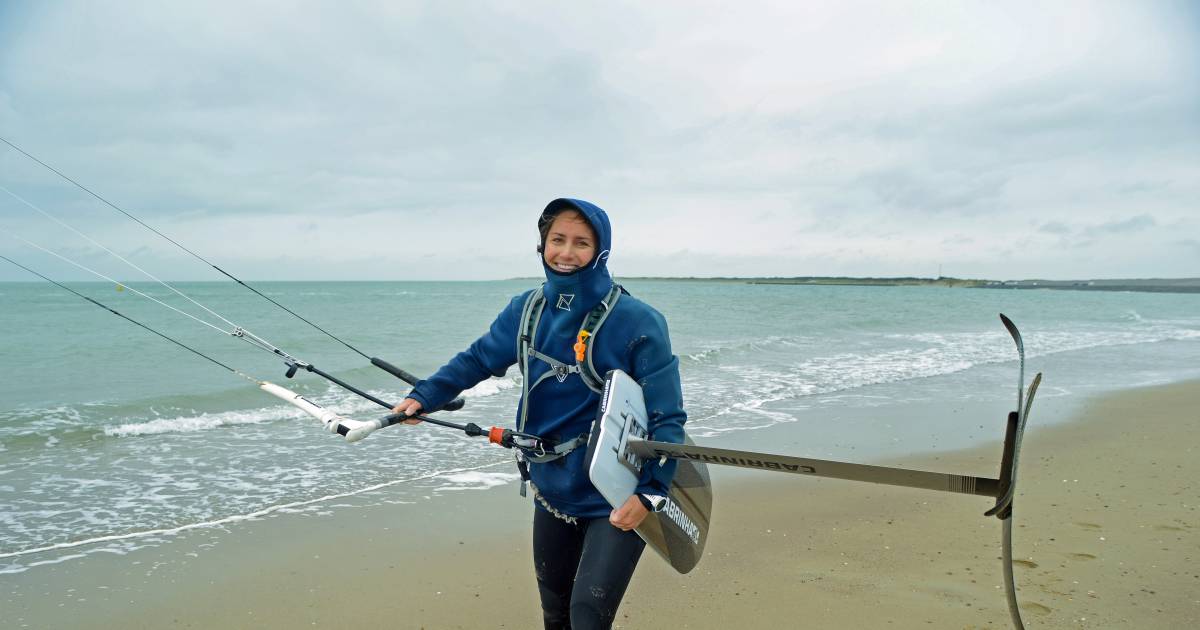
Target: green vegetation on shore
{"points": [[1155, 285]]}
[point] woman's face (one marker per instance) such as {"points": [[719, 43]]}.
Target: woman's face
{"points": [[570, 243]]}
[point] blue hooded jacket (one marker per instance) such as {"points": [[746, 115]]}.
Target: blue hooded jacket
{"points": [[634, 338]]}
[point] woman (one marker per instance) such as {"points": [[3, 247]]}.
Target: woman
{"points": [[584, 551]]}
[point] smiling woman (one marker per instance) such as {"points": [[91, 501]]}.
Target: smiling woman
{"points": [[568, 241], [584, 550]]}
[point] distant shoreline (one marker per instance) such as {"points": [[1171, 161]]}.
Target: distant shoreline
{"points": [[1143, 285], [1147, 285]]}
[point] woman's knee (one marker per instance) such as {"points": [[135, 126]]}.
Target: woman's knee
{"points": [[592, 612]]}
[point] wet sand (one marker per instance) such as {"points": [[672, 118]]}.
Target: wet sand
{"points": [[1105, 537]]}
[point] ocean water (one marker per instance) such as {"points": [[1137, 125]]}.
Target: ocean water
{"points": [[111, 438]]}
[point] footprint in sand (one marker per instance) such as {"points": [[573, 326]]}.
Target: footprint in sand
{"points": [[1036, 608], [1088, 525], [1028, 564], [1081, 556]]}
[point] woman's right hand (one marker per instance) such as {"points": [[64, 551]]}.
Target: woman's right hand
{"points": [[408, 407]]}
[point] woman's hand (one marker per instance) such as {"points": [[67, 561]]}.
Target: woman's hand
{"points": [[629, 515], [408, 407]]}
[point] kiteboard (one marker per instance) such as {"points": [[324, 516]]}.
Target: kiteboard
{"points": [[678, 529]]}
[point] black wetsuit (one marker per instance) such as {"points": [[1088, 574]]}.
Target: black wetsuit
{"points": [[582, 569]]}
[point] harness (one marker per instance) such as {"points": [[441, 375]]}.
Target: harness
{"points": [[531, 314]]}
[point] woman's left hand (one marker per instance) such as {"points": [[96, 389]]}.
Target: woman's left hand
{"points": [[629, 515]]}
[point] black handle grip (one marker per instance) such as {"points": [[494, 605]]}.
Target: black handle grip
{"points": [[394, 371], [453, 405]]}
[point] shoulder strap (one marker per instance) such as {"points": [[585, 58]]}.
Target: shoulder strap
{"points": [[587, 332], [531, 312]]}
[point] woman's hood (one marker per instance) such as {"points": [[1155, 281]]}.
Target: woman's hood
{"points": [[584, 288]]}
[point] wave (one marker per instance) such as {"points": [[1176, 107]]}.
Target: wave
{"points": [[491, 387], [756, 382], [204, 421], [730, 347], [831, 374], [235, 518], [335, 398], [943, 353], [345, 403], [51, 426], [49, 417], [937, 354], [476, 480], [1043, 343]]}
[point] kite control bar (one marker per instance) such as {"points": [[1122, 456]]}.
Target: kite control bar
{"points": [[495, 435]]}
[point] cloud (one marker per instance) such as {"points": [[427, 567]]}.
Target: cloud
{"points": [[1190, 244], [755, 134], [1054, 227], [917, 190], [1122, 226]]}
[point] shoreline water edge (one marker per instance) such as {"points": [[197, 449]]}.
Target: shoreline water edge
{"points": [[1105, 536]]}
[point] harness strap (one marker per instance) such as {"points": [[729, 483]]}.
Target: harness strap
{"points": [[591, 325], [559, 451], [531, 314], [558, 369]]}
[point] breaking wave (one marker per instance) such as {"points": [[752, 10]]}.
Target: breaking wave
{"points": [[203, 422]]}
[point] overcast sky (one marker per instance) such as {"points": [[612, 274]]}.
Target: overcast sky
{"points": [[394, 140]]}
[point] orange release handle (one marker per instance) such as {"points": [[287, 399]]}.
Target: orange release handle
{"points": [[581, 345]]}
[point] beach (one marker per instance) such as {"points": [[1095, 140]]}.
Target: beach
{"points": [[823, 241], [1105, 537]]}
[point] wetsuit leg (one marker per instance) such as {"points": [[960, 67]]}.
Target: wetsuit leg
{"points": [[556, 549], [582, 570], [604, 570]]}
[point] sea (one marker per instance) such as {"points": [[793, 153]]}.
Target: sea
{"points": [[112, 438]]}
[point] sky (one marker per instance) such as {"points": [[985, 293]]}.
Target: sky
{"points": [[420, 141]]}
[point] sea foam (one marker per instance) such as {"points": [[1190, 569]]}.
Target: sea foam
{"points": [[203, 422]]}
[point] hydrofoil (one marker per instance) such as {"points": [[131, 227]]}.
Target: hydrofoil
{"points": [[620, 446]]}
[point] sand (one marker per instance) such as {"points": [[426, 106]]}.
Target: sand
{"points": [[1105, 537]]}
